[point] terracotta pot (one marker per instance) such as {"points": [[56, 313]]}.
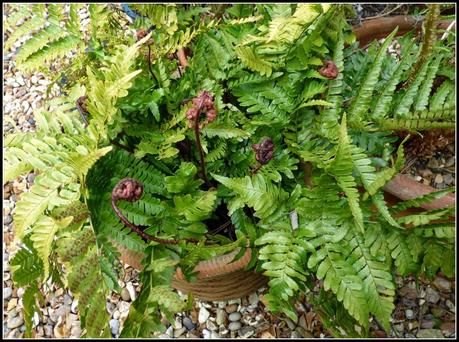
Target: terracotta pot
{"points": [[381, 27]]}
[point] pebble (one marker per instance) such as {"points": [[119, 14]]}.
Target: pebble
{"points": [[231, 308], [253, 299], [206, 334], [31, 177], [7, 292], [233, 326], [114, 326], [442, 284], [290, 323], [450, 161], [409, 314], [131, 291], [125, 294], [450, 305], [14, 322], [246, 332], [448, 179], [222, 317], [188, 323], [211, 325], [429, 333], [438, 179], [74, 306], [203, 315], [21, 292], [234, 316], [179, 332], [425, 173], [432, 296], [8, 219]]}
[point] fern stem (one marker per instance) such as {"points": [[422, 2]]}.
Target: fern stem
{"points": [[149, 65], [428, 41], [198, 145], [141, 233]]}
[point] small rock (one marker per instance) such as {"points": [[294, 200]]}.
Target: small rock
{"points": [[125, 295], [253, 298], [114, 326], [74, 306], [211, 325], [231, 308], [222, 330], [425, 173], [34, 79], [399, 327], [234, 316], [222, 317], [179, 332], [7, 292], [409, 314], [450, 305], [295, 334], [432, 296], [233, 326], [8, 219], [203, 315], [246, 332], [448, 327], [116, 314], [31, 177], [290, 323], [131, 290], [188, 323], [448, 179], [48, 329], [206, 334], [450, 161], [438, 179], [303, 332], [12, 304], [429, 333], [442, 284], [427, 324], [14, 322], [267, 334], [170, 331]]}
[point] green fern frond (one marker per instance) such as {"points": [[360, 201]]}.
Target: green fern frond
{"points": [[28, 26], [26, 266], [256, 192], [22, 13], [341, 169], [251, 59], [417, 202], [423, 95], [414, 125], [197, 207], [400, 252], [425, 218], [438, 99], [166, 298], [362, 101]]}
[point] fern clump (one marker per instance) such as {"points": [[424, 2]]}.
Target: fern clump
{"points": [[198, 133]]}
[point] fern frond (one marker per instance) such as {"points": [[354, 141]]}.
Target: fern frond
{"points": [[423, 95], [438, 99], [362, 101], [198, 207], [256, 192], [28, 26], [250, 58], [404, 262]]}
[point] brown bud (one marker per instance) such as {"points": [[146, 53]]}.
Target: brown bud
{"points": [[81, 102], [264, 151], [329, 70], [127, 189]]}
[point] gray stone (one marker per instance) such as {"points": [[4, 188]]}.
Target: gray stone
{"points": [[31, 177], [450, 161], [203, 315], [450, 306], [114, 326], [48, 329], [429, 333], [253, 298], [14, 322], [448, 179], [432, 296], [7, 292], [290, 323], [246, 332], [427, 324], [442, 284], [234, 316], [8, 219], [188, 323], [233, 326], [409, 314]]}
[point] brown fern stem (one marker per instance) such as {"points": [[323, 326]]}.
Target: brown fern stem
{"points": [[428, 41], [141, 233], [198, 145]]}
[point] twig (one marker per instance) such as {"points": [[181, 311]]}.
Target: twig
{"points": [[383, 14], [445, 35]]}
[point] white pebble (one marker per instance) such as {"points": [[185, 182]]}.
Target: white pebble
{"points": [[203, 315]]}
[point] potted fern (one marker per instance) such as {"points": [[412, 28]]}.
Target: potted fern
{"points": [[239, 136]]}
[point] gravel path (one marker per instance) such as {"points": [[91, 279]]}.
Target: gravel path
{"points": [[423, 310]]}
